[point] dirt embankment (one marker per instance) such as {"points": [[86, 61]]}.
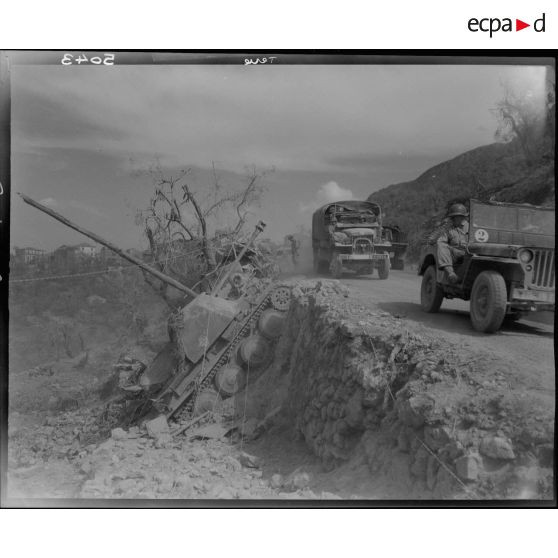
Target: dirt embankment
{"points": [[356, 404], [429, 419]]}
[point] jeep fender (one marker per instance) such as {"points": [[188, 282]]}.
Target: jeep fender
{"points": [[428, 260], [509, 268]]}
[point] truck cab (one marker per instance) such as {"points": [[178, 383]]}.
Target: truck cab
{"points": [[348, 236]]}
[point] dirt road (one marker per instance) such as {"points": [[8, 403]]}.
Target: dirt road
{"points": [[527, 343]]}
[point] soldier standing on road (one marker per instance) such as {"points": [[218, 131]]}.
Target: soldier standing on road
{"points": [[294, 248], [452, 243]]}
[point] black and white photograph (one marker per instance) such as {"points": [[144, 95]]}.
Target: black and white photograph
{"points": [[298, 279]]}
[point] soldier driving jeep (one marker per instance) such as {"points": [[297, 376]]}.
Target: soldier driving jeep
{"points": [[452, 243], [504, 265]]}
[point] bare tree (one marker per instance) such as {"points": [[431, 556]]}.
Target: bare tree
{"points": [[527, 117], [180, 222]]}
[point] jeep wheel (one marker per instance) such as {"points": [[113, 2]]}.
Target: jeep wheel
{"points": [[488, 302], [431, 294], [383, 269]]}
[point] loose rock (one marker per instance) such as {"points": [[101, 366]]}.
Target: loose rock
{"points": [[249, 460], [277, 481], [157, 426], [467, 467], [497, 447], [118, 434]]}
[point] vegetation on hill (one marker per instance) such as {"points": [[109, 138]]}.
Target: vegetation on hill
{"points": [[518, 169]]}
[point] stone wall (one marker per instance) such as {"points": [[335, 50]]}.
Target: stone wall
{"points": [[370, 383]]}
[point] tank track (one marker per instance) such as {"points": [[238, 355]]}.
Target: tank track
{"points": [[188, 407]]}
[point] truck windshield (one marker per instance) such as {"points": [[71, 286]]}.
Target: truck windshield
{"points": [[515, 219]]}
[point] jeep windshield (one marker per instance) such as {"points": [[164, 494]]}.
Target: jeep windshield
{"points": [[513, 218]]}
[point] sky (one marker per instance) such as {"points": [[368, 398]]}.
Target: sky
{"points": [[80, 134]]}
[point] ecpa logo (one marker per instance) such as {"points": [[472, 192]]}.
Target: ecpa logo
{"points": [[494, 24]]}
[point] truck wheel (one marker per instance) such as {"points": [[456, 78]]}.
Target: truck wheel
{"points": [[383, 269], [320, 266], [316, 262], [488, 302], [335, 269], [431, 294]]}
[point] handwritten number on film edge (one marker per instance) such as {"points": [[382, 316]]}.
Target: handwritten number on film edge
{"points": [[249, 61], [69, 59]]}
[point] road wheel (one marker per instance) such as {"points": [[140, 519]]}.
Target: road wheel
{"points": [[207, 400], [431, 294], [488, 302], [335, 268], [383, 269], [229, 380], [281, 298]]}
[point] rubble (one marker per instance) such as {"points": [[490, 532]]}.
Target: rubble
{"points": [[382, 389], [408, 406], [497, 447], [467, 467], [248, 460], [118, 434], [157, 427]]}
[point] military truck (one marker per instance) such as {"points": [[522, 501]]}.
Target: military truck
{"points": [[508, 269], [348, 236], [399, 245]]}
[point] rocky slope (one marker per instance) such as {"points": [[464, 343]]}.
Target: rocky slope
{"points": [[431, 420], [357, 404]]}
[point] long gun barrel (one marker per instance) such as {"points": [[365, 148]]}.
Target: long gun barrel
{"points": [[169, 280]]}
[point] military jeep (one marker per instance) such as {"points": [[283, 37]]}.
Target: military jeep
{"points": [[348, 236], [508, 267]]}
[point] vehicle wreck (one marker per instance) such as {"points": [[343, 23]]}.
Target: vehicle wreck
{"points": [[216, 340]]}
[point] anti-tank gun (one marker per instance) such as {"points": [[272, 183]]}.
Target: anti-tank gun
{"points": [[217, 344]]}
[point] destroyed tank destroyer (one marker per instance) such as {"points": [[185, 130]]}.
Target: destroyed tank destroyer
{"points": [[218, 341], [216, 347]]}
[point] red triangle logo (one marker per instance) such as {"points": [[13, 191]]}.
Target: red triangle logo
{"points": [[519, 25]]}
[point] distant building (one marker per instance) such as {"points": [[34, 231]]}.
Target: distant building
{"points": [[85, 249], [28, 255], [109, 258], [63, 259]]}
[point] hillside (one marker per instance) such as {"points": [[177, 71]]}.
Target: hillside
{"points": [[497, 170]]}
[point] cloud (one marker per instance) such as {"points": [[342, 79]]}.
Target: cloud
{"points": [[328, 192], [290, 117], [86, 207]]}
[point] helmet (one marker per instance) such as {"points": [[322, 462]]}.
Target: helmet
{"points": [[458, 209]]}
